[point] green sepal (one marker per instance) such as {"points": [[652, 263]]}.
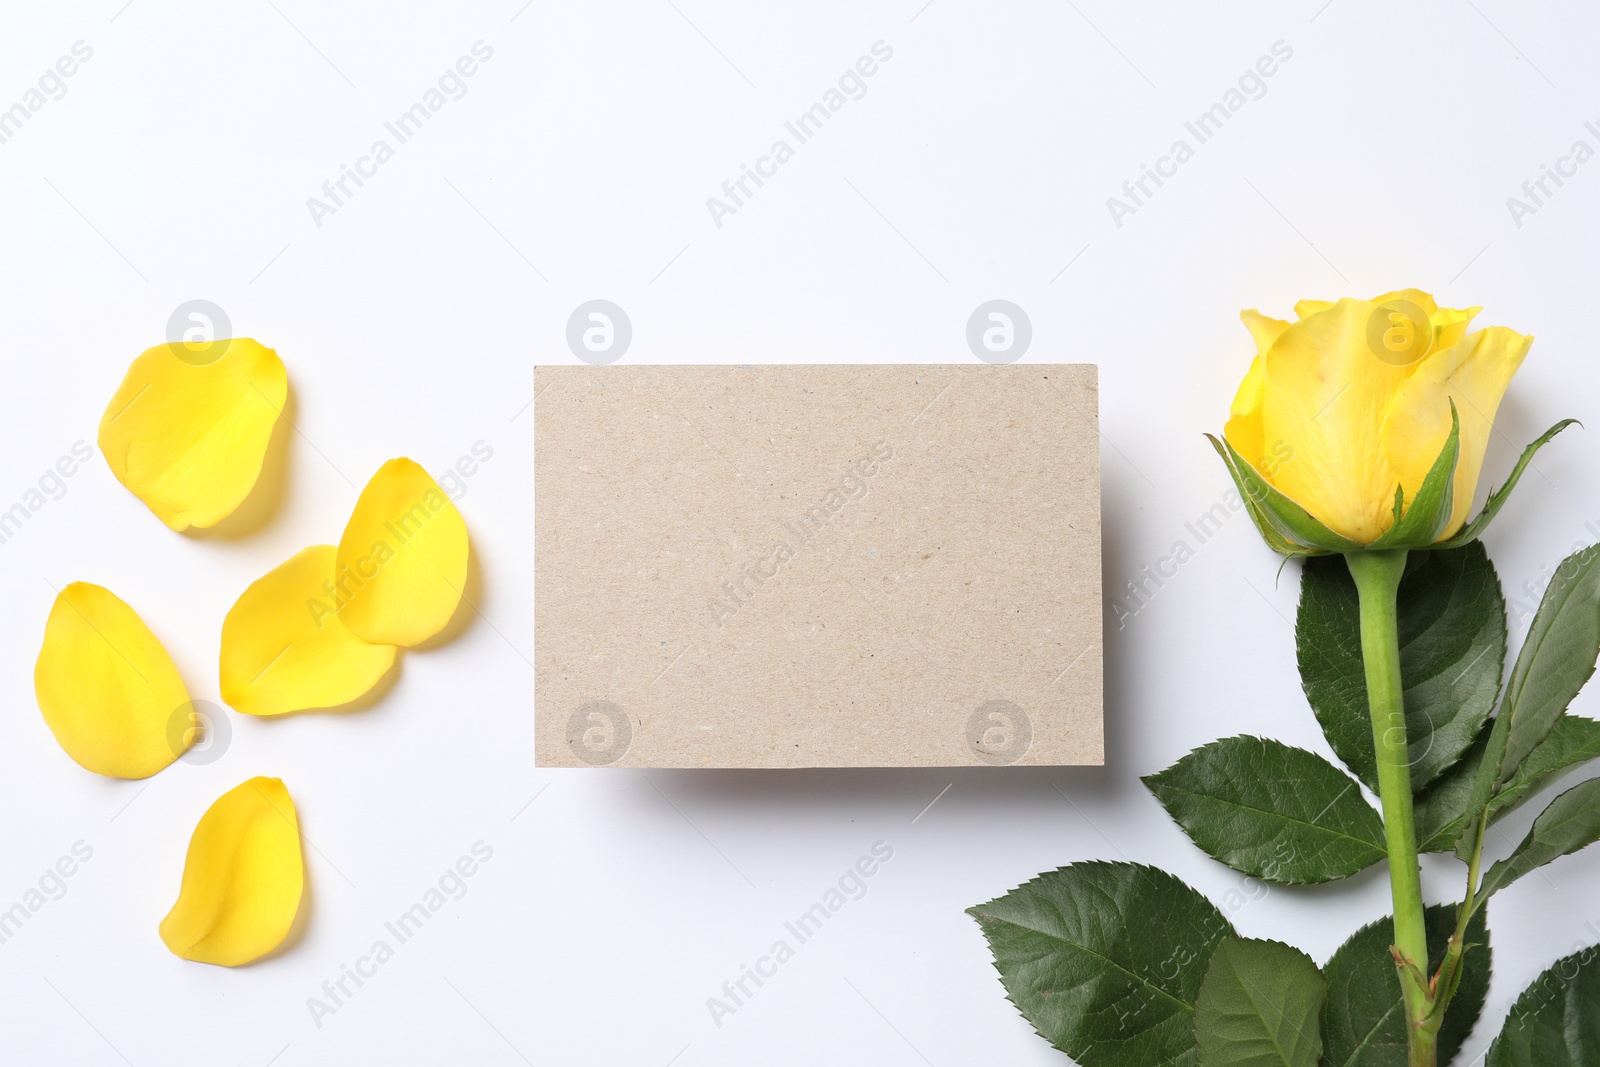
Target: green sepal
{"points": [[1497, 497], [1287, 527], [1420, 525]]}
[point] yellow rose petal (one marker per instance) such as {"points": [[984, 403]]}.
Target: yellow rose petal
{"points": [[1450, 325], [242, 878], [1264, 329], [1474, 373], [402, 562], [108, 690], [1326, 393], [1304, 309], [1244, 427], [1445, 326], [1423, 300], [187, 430], [284, 649], [1346, 411]]}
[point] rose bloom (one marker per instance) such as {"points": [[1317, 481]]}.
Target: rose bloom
{"points": [[1353, 400]]}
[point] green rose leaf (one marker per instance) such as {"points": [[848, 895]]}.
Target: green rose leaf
{"points": [[1556, 1021], [1106, 960], [1259, 1006], [1442, 811], [1556, 660], [1558, 656], [1279, 813], [1452, 651], [1571, 822], [1363, 1024]]}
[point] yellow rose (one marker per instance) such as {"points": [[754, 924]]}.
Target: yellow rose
{"points": [[1346, 412]]}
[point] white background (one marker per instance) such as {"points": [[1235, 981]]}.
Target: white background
{"points": [[178, 164]]}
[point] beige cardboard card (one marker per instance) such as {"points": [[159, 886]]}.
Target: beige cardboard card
{"points": [[817, 566]]}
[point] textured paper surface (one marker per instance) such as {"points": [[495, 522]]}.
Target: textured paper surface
{"points": [[817, 566]]}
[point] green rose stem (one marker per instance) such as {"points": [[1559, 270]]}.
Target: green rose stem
{"points": [[1377, 577], [1448, 980]]}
